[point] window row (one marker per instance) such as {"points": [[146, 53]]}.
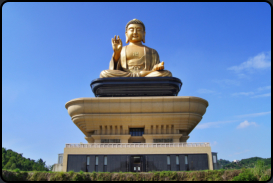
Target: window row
{"points": [[110, 141], [136, 131], [163, 140], [96, 160], [177, 160]]}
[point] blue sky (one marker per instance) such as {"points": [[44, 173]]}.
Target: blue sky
{"points": [[221, 52]]}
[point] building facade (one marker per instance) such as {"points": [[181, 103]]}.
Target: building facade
{"points": [[137, 134]]}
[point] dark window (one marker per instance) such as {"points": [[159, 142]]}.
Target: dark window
{"points": [[177, 160], [136, 131], [110, 140], [137, 159], [168, 163], [163, 140], [104, 140], [214, 159], [186, 159], [105, 160], [96, 163], [88, 160], [114, 140], [168, 160], [97, 160], [60, 159], [177, 163], [87, 163], [105, 164]]}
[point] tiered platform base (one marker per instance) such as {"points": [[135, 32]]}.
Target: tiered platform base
{"points": [[138, 86]]}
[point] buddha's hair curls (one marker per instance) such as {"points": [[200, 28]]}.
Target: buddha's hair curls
{"points": [[134, 21]]}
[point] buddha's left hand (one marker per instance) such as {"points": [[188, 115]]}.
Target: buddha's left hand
{"points": [[159, 67]]}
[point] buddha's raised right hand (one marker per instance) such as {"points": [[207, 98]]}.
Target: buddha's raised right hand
{"points": [[117, 44]]}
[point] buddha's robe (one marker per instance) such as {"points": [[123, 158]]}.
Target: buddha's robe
{"points": [[135, 67]]}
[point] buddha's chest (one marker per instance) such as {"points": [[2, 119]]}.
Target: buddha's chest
{"points": [[134, 52]]}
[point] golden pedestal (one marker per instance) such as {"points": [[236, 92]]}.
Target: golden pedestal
{"points": [[161, 117]]}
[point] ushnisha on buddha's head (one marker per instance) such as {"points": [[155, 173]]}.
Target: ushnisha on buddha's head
{"points": [[135, 31]]}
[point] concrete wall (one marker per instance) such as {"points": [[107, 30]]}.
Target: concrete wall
{"points": [[57, 168]]}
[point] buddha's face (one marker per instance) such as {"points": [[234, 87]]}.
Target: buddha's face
{"points": [[135, 33]]}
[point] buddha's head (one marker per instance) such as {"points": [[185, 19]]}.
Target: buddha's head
{"points": [[135, 31]]}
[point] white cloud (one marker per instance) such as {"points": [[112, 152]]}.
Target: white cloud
{"points": [[225, 82], [213, 124], [254, 114], [205, 91], [261, 61], [263, 95], [264, 88], [252, 93], [241, 76], [243, 93], [246, 124]]}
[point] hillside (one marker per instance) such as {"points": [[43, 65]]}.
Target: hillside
{"points": [[244, 163], [13, 160]]}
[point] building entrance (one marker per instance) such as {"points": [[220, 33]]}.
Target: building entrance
{"points": [[136, 163]]}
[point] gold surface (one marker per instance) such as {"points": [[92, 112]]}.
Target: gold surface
{"points": [[135, 59], [170, 117]]}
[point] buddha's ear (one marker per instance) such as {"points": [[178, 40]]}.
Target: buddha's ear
{"points": [[127, 40], [143, 40]]}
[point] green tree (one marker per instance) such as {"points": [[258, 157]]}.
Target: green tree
{"points": [[8, 165], [13, 166], [11, 159]]}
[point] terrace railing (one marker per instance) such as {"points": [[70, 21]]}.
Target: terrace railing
{"points": [[136, 145]]}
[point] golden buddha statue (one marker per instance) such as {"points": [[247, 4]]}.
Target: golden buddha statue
{"points": [[135, 59]]}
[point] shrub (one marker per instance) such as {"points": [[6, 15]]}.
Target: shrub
{"points": [[94, 176], [42, 176], [17, 170], [265, 177], [156, 176], [71, 172], [121, 177], [59, 176], [34, 176], [78, 177], [130, 177], [162, 174], [246, 175], [259, 169], [107, 176], [100, 176], [207, 175], [173, 176]]}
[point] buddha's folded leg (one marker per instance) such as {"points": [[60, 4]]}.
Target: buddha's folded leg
{"points": [[114, 73], [164, 73]]}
